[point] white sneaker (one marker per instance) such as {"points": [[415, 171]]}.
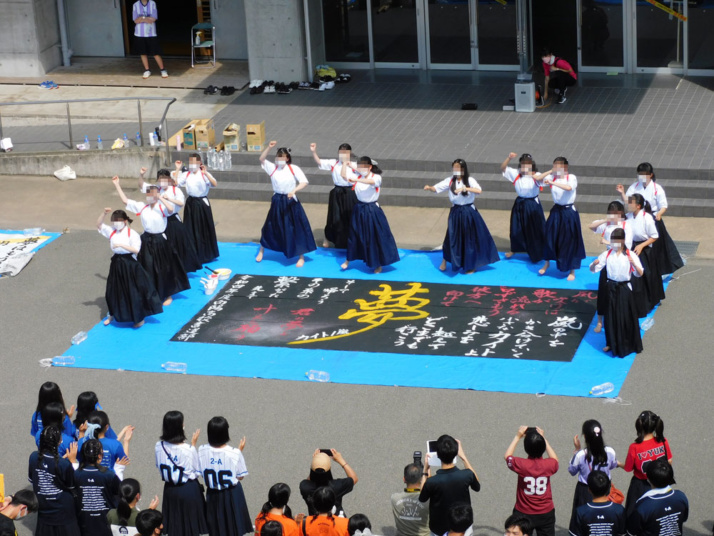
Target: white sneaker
{"points": [[164, 74], [330, 85], [323, 86], [65, 173], [147, 74]]}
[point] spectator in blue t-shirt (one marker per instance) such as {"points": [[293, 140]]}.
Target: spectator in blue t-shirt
{"points": [[114, 450]]}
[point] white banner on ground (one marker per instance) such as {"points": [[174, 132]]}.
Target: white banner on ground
{"points": [[17, 249]]}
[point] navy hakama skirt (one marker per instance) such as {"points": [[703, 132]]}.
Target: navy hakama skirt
{"points": [[371, 239], [182, 242], [668, 258], [163, 265], [528, 228], [69, 528], [339, 215], [564, 238], [184, 509], [468, 243], [602, 293], [227, 512], [286, 228], [622, 329], [198, 219], [130, 294], [648, 289]]}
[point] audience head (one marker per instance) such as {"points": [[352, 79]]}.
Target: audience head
{"points": [[53, 415], [22, 503], [129, 491], [412, 474], [86, 404], [321, 469], [359, 522], [49, 392], [172, 428], [518, 525], [446, 449], [218, 432], [660, 473], [278, 497], [461, 517], [97, 423], [649, 423], [149, 522], [92, 452], [323, 500], [272, 528], [50, 438], [599, 484], [534, 443]]}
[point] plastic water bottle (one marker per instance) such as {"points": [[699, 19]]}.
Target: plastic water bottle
{"points": [[211, 158], [173, 366], [219, 161], [152, 139], [318, 376], [126, 141], [602, 389], [647, 324], [63, 361], [32, 231], [227, 160], [86, 143], [79, 337], [100, 145], [138, 139]]}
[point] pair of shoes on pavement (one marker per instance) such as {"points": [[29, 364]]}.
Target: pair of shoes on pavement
{"points": [[343, 78], [147, 74], [65, 173], [211, 90], [227, 90], [49, 84]]}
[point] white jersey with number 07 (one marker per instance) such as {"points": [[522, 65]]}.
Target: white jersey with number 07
{"points": [[181, 466]]}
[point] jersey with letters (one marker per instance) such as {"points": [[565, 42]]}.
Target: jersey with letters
{"points": [[177, 463], [599, 519], [221, 467]]}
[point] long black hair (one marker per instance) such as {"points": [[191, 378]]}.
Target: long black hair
{"points": [[172, 428], [91, 451], [50, 439], [649, 423], [464, 176], [278, 497], [49, 392], [128, 490], [86, 404], [594, 442], [323, 500], [367, 160], [53, 415]]}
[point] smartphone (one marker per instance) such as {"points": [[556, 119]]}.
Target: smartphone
{"points": [[326, 451]]}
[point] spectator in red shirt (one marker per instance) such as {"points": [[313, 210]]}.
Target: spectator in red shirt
{"points": [[650, 445], [534, 498], [559, 75]]}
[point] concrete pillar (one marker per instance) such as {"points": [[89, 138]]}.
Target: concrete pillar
{"points": [[276, 40], [29, 37]]}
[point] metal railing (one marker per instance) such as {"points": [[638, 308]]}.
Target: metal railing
{"points": [[163, 127]]}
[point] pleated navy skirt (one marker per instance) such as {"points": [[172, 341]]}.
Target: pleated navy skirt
{"points": [[163, 265], [182, 242], [528, 228], [130, 294], [69, 528], [602, 293], [198, 219], [227, 512], [582, 496], [668, 258], [636, 490], [468, 243], [564, 238], [339, 215], [622, 329], [371, 239], [648, 289], [184, 510], [286, 228]]}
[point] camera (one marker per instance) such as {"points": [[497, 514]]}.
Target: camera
{"points": [[417, 458]]}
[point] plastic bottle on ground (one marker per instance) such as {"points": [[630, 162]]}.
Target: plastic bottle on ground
{"points": [[86, 143], [173, 366], [227, 160], [318, 376], [602, 389], [647, 324], [126, 141], [138, 139], [100, 145], [63, 361], [79, 337]]}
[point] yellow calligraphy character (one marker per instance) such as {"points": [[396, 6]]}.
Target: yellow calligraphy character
{"points": [[389, 305]]}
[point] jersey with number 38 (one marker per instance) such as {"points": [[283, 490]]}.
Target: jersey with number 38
{"points": [[221, 467], [533, 495]]}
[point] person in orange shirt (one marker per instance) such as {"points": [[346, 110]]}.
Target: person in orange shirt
{"points": [[277, 509], [324, 523]]}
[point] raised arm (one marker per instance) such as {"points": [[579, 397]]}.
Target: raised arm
{"points": [[548, 448], [621, 189], [507, 161], [346, 466], [102, 217], [465, 461], [142, 183], [597, 223], [210, 177], [122, 196], [264, 154], [541, 176], [512, 447], [313, 150]]}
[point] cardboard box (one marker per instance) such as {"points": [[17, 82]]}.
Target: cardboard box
{"points": [[172, 139], [255, 137], [231, 137], [205, 134], [188, 135]]}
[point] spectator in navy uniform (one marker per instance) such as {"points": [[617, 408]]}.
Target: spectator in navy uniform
{"points": [[518, 525], [600, 516], [16, 507], [149, 523], [661, 511], [449, 486], [411, 517]]}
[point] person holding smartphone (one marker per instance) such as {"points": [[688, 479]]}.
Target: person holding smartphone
{"points": [[321, 475]]}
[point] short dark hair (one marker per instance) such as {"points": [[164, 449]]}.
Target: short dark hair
{"points": [[446, 448], [147, 521], [172, 427], [598, 484], [218, 431], [461, 517], [660, 473], [534, 444], [272, 528], [26, 497], [195, 155], [520, 521], [163, 172], [323, 500], [412, 473], [358, 522]]}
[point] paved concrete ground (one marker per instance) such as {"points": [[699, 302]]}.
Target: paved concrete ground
{"points": [[376, 428]]}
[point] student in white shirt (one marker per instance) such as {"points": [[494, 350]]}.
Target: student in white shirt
{"points": [[130, 294], [564, 237], [370, 238], [668, 258], [342, 196], [157, 256], [603, 228], [622, 329], [197, 213], [649, 290], [286, 228], [527, 232], [468, 243]]}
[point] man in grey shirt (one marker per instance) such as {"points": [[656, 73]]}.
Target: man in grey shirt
{"points": [[411, 517]]}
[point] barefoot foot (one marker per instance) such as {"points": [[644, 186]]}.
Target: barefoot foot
{"points": [[325, 244], [598, 328], [469, 272], [168, 301], [442, 266], [108, 320], [378, 270], [259, 256], [139, 324], [508, 255], [345, 265], [571, 275], [606, 349], [543, 270], [300, 262]]}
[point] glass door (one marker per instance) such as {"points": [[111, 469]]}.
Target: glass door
{"points": [[396, 33], [601, 36], [659, 31], [497, 38], [450, 43]]}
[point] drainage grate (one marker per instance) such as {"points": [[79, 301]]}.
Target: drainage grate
{"points": [[686, 249]]}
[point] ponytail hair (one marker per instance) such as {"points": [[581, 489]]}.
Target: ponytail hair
{"points": [[120, 215], [527, 158], [637, 199], [278, 497], [464, 176], [128, 490], [649, 423], [594, 442], [367, 160]]}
